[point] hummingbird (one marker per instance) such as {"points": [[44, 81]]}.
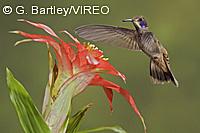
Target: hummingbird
{"points": [[138, 39]]}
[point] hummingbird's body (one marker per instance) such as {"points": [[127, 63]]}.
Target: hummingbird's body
{"points": [[140, 39]]}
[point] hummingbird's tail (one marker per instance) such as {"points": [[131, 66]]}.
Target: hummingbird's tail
{"points": [[160, 76]]}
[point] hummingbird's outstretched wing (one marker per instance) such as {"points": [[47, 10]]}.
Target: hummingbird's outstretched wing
{"points": [[111, 35]]}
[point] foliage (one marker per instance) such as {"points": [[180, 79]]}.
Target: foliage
{"points": [[68, 77]]}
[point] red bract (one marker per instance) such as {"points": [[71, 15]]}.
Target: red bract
{"points": [[87, 57]]}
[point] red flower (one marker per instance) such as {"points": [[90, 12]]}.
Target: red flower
{"points": [[87, 57]]}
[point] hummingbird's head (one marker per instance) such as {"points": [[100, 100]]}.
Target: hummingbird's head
{"points": [[139, 22]]}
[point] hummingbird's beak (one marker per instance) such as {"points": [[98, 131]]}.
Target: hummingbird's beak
{"points": [[128, 20]]}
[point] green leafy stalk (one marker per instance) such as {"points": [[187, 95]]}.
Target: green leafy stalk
{"points": [[46, 107], [29, 116], [116, 129], [60, 108], [74, 122]]}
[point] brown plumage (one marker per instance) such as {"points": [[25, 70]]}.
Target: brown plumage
{"points": [[140, 39]]}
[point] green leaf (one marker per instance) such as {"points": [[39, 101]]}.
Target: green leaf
{"points": [[116, 129], [75, 120], [60, 108], [53, 71], [29, 116]]}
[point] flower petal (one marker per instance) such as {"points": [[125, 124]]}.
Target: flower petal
{"points": [[41, 26], [69, 51], [98, 81], [42, 38], [91, 60], [72, 37], [66, 64], [97, 53], [61, 53], [105, 65], [109, 94]]}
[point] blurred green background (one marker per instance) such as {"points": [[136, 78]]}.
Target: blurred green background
{"points": [[165, 108]]}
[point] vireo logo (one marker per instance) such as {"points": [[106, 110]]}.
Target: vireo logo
{"points": [[76, 10]]}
